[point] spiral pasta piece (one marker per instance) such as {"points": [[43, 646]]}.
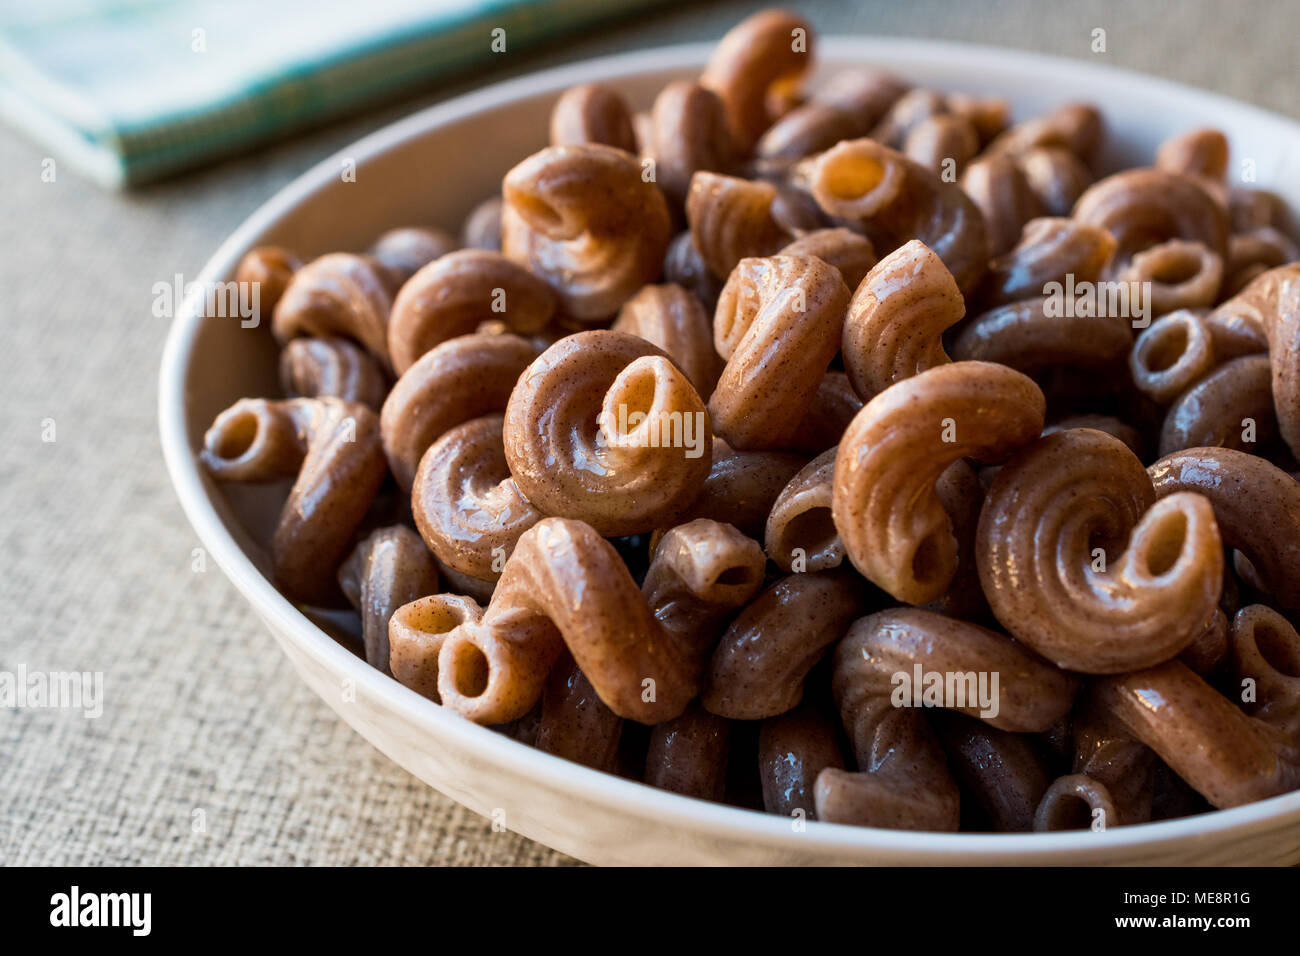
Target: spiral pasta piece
{"points": [[800, 531], [1072, 802], [1057, 176], [1171, 355], [778, 325], [584, 219], [268, 269], [1001, 190], [1181, 275], [1049, 250], [1001, 770], [1075, 127], [337, 294], [1199, 152], [389, 568], [844, 249], [793, 748], [403, 252], [688, 754], [331, 367], [1036, 334], [332, 450], [673, 319], [888, 515], [688, 134], [1265, 650], [742, 486], [592, 113], [574, 723], [731, 219], [1220, 409]]}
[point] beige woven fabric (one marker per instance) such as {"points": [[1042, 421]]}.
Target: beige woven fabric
{"points": [[203, 719]]}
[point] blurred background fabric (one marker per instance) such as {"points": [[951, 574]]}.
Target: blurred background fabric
{"points": [[201, 711], [131, 90]]}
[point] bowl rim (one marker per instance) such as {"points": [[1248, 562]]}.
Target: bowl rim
{"points": [[617, 793]]}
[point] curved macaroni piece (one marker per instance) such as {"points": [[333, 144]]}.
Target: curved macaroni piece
{"points": [[684, 267], [337, 294], [1049, 250], [268, 269], [574, 723], [885, 507], [793, 748], [1075, 802], [894, 199], [731, 219], [416, 632], [761, 59], [1231, 404], [405, 251], [1266, 650], [688, 134], [1171, 355], [592, 113], [331, 367], [808, 128], [908, 111], [1001, 770], [584, 219], [1199, 152], [832, 408], [671, 318], [1105, 752], [1076, 127], [778, 326], [1209, 649], [800, 533], [389, 568], [989, 115], [332, 450], [1182, 275], [467, 377], [942, 143], [603, 428], [844, 249], [453, 295], [1049, 511], [1057, 177], [1001, 190], [759, 665], [896, 319], [742, 486], [466, 505], [688, 754], [962, 495], [1256, 505], [1251, 254], [1042, 333], [482, 227]]}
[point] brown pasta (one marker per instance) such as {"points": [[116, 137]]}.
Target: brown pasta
{"points": [[1000, 189], [1076, 127], [942, 144], [1049, 250], [1230, 405], [1199, 152], [844, 249], [908, 111], [337, 294], [684, 267], [405, 251], [687, 134], [1001, 770], [482, 227], [332, 367], [574, 723], [1057, 177], [778, 326], [731, 219], [1171, 355], [389, 568], [688, 755], [743, 485], [1265, 650], [670, 317], [592, 113], [1107, 754], [793, 748], [800, 534], [1073, 802], [832, 408], [268, 269], [1040, 333], [1182, 275], [332, 450], [892, 523]]}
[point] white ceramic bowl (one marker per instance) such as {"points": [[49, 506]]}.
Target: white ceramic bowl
{"points": [[430, 169]]}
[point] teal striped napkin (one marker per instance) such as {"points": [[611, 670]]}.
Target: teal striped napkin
{"points": [[132, 90]]}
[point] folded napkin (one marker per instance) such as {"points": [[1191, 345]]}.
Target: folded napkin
{"points": [[132, 90]]}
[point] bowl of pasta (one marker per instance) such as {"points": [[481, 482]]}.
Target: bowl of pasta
{"points": [[793, 450]]}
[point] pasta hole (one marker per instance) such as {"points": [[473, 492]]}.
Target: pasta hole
{"points": [[470, 670], [1069, 812], [1168, 348], [1166, 544], [539, 214], [852, 176], [925, 560], [813, 530], [236, 436], [1175, 269], [734, 577], [1280, 649]]}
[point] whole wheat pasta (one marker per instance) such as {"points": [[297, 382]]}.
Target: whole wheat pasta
{"points": [[688, 754], [731, 219], [894, 199], [1171, 355], [465, 378], [1043, 332], [1048, 512], [1256, 506], [1002, 192], [1057, 177], [793, 748], [390, 567], [1125, 432], [778, 325], [477, 589], [684, 267], [742, 486], [574, 723], [1182, 275], [603, 428], [268, 269], [1105, 752], [1199, 152], [891, 520], [1231, 407], [942, 144], [988, 115], [1077, 127], [1265, 650], [1209, 649], [800, 532], [844, 249], [902, 779], [808, 128], [832, 408], [406, 250], [864, 92], [795, 211], [1221, 753], [759, 666], [1049, 250], [908, 111], [897, 317], [466, 505], [332, 450], [592, 113], [961, 494], [1255, 209], [1001, 770], [337, 294], [586, 220], [670, 317], [687, 134], [1251, 254], [1074, 802], [416, 632], [332, 367], [760, 61], [482, 227], [453, 295]]}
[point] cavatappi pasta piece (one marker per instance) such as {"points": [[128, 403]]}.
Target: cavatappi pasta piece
{"points": [[268, 269], [416, 632], [1265, 651], [902, 780], [808, 128], [1046, 332], [1145, 207], [455, 582], [1199, 152], [688, 754], [1057, 176], [793, 748], [1000, 189], [743, 485], [405, 251], [337, 294], [684, 267], [482, 227], [1224, 755], [864, 92], [1001, 770], [390, 567], [777, 324], [1171, 355], [844, 249], [759, 665], [467, 377], [1256, 208], [1105, 752], [332, 450], [575, 724], [603, 428], [1272, 303], [832, 408], [942, 144], [892, 523], [894, 199], [1182, 275], [731, 219], [962, 495], [989, 115], [670, 317], [1251, 254], [1231, 407], [1209, 649], [795, 211], [1075, 802], [1049, 250], [1256, 505], [897, 317], [760, 62], [586, 220], [1048, 513], [466, 505], [320, 368], [800, 533], [455, 294], [592, 113], [908, 111], [687, 135], [1076, 127]]}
